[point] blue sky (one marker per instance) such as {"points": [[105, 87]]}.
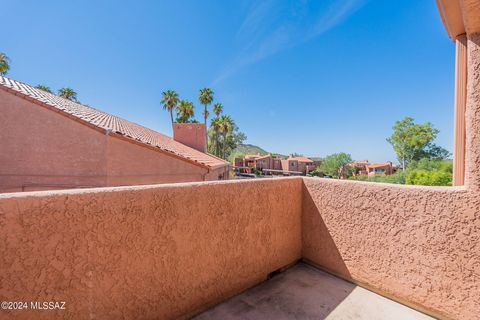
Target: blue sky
{"points": [[312, 77]]}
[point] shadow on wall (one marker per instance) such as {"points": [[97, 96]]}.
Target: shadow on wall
{"points": [[320, 246]]}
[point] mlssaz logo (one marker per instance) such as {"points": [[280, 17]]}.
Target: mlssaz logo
{"points": [[47, 305]]}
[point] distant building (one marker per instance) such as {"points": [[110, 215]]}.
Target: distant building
{"points": [[380, 168], [301, 165], [360, 167], [364, 167], [48, 142]]}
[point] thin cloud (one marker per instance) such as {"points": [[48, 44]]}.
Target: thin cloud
{"points": [[273, 26]]}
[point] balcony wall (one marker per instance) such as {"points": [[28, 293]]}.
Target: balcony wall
{"points": [[171, 251], [417, 245], [149, 252]]}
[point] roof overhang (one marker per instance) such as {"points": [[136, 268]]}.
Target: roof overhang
{"points": [[460, 16]]}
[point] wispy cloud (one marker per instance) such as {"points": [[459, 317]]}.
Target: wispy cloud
{"points": [[271, 26]]}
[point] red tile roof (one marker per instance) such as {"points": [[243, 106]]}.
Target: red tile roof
{"points": [[112, 123], [379, 165], [301, 159]]}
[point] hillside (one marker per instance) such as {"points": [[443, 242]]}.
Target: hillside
{"points": [[245, 149]]}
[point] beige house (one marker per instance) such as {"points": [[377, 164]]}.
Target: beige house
{"points": [[48, 142]]}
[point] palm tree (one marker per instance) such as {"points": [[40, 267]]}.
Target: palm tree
{"points": [[226, 124], [216, 126], [68, 93], [44, 88], [205, 96], [185, 110], [217, 109], [169, 101], [4, 64]]}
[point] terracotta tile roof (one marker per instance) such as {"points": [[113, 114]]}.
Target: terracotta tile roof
{"points": [[264, 157], [361, 162], [301, 159], [379, 165], [252, 156], [116, 124]]}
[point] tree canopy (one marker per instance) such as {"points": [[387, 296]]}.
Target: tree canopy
{"points": [[44, 88], [335, 165], [4, 64], [68, 93], [413, 141], [169, 101], [185, 112]]}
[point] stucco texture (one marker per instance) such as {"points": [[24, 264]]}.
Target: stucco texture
{"points": [[418, 245], [156, 252]]}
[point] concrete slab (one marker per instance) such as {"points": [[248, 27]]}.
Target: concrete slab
{"points": [[304, 292]]}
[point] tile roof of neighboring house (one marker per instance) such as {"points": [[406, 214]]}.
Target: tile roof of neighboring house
{"points": [[252, 156], [300, 159], [361, 162], [109, 122], [264, 157], [379, 165]]}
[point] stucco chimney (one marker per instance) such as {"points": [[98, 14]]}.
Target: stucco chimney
{"points": [[191, 134]]}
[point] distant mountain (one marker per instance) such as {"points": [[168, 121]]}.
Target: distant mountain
{"points": [[245, 149], [250, 149]]}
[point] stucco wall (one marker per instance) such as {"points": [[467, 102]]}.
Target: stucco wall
{"points": [[191, 134], [418, 245], [155, 252], [131, 164], [41, 150]]}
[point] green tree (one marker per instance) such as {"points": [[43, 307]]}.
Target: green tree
{"points": [[412, 141], [336, 165], [216, 127], [185, 112], [4, 64], [68, 93], [205, 96], [217, 109], [234, 139], [226, 125], [430, 172], [44, 88], [169, 102], [396, 178]]}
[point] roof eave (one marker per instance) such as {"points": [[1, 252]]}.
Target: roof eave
{"points": [[460, 16]]}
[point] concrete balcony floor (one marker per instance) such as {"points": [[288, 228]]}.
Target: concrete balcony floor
{"points": [[304, 292]]}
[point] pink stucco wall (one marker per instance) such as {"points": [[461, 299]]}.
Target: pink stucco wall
{"points": [[191, 134], [154, 252], [418, 245], [41, 149]]}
